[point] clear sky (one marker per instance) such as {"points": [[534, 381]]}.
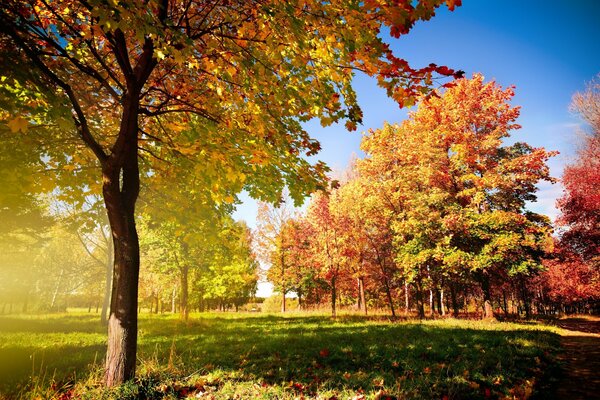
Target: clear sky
{"points": [[548, 49]]}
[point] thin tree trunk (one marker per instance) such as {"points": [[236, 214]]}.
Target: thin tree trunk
{"points": [[406, 299], [361, 294], [173, 297], [184, 293], [431, 309], [455, 309], [388, 294], [441, 304], [282, 300], [488, 312], [526, 300], [358, 298], [419, 298], [333, 296], [55, 295]]}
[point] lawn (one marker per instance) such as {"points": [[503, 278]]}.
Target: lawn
{"points": [[248, 356]]}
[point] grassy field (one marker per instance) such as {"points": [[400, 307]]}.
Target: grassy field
{"points": [[250, 356]]}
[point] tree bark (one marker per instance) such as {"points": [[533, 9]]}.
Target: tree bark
{"points": [[361, 294], [173, 297], [282, 300], [184, 293], [122, 322], [55, 295], [488, 312], [121, 186], [388, 294], [406, 300], [431, 305], [333, 296], [419, 298], [454, 299]]}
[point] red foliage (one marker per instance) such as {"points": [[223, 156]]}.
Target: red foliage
{"points": [[580, 205], [570, 280]]}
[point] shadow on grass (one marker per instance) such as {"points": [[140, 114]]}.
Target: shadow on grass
{"points": [[351, 354]]}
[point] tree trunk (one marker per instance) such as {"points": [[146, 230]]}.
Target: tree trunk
{"points": [[441, 306], [122, 322], [185, 313], [361, 295], [282, 300], [120, 189], [173, 297], [454, 300], [431, 307], [419, 298], [121, 184], [388, 294], [358, 298], [55, 295], [333, 296], [526, 300], [488, 312], [406, 302]]}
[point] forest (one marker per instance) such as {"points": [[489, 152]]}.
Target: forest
{"points": [[131, 133]]}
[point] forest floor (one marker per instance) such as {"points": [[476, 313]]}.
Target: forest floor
{"points": [[303, 355]]}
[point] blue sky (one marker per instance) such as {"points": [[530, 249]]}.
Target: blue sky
{"points": [[548, 49]]}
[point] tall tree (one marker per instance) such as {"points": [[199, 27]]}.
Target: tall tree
{"points": [[460, 194], [573, 275], [273, 241], [327, 243], [128, 77], [580, 204]]}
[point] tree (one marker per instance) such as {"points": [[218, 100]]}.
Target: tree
{"points": [[580, 204], [459, 194], [183, 220], [367, 238], [129, 78], [232, 273], [327, 242], [273, 242], [573, 275]]}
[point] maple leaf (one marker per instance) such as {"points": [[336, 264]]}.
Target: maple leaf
{"points": [[18, 124]]}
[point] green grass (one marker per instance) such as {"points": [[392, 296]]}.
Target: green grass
{"points": [[271, 356]]}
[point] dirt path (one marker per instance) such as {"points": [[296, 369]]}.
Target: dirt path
{"points": [[581, 359]]}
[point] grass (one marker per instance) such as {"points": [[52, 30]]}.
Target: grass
{"points": [[251, 356]]}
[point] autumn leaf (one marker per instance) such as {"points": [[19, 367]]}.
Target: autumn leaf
{"points": [[18, 124], [324, 353]]}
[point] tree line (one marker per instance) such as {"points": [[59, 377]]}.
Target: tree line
{"points": [[435, 216]]}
